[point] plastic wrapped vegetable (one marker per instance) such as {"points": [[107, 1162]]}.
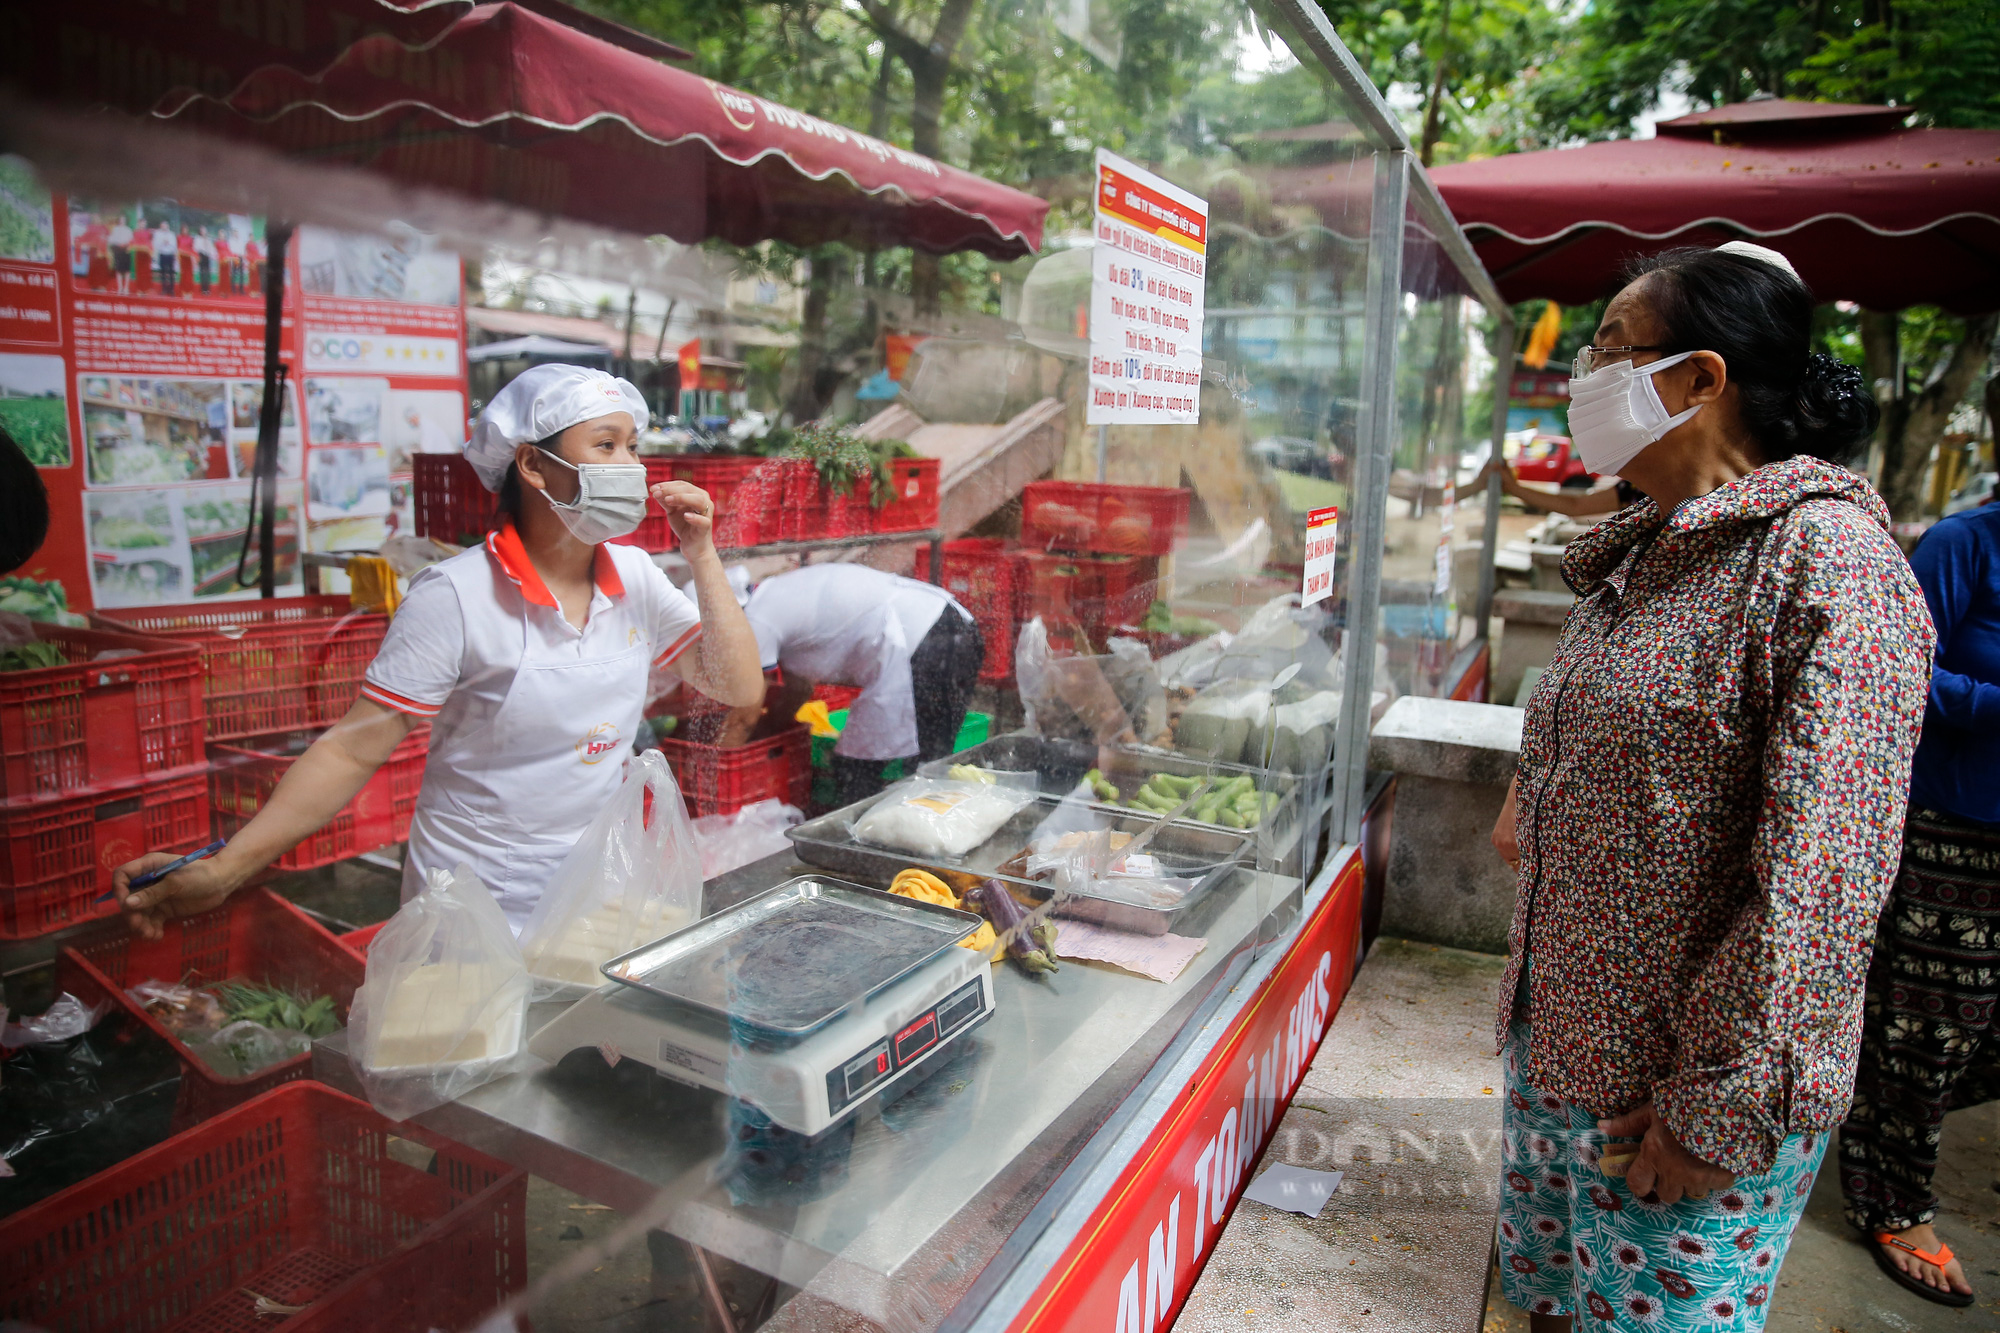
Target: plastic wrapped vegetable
{"points": [[1032, 947]]}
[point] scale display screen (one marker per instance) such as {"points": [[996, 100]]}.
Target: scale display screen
{"points": [[883, 1058]]}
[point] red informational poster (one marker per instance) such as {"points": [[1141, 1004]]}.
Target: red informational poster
{"points": [[131, 372], [1136, 1260]]}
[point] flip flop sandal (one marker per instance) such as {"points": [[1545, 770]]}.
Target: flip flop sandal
{"points": [[1936, 1259]]}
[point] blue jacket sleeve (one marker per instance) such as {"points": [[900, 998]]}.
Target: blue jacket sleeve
{"points": [[1947, 564]]}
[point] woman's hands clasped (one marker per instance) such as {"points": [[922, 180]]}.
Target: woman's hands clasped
{"points": [[1663, 1167]]}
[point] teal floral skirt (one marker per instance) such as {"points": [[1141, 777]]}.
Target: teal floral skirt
{"points": [[1574, 1241]]}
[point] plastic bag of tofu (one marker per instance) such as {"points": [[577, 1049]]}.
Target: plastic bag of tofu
{"points": [[441, 1009], [632, 878]]}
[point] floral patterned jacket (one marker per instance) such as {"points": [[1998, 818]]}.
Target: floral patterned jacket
{"points": [[1710, 803]]}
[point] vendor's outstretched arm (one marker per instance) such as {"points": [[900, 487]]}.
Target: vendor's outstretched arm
{"points": [[723, 663], [315, 789]]}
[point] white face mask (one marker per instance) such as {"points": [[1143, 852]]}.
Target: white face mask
{"points": [[1615, 412], [610, 500]]}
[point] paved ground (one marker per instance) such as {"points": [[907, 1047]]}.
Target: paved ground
{"points": [[1403, 1097]]}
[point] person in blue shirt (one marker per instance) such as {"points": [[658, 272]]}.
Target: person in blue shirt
{"points": [[1929, 1044]]}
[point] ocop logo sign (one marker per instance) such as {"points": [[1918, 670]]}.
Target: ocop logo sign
{"points": [[740, 108], [321, 348]]}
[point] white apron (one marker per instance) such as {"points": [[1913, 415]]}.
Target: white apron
{"points": [[512, 801]]}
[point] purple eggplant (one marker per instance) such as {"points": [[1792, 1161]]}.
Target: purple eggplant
{"points": [[1031, 947]]}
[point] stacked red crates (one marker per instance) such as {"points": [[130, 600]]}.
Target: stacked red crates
{"points": [[989, 577], [255, 936], [299, 1196], [745, 491], [242, 777], [1093, 517], [720, 780], [285, 664], [913, 502], [100, 760], [451, 503]]}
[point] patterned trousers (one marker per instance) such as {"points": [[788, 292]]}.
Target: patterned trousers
{"points": [[1576, 1241], [1928, 1044]]}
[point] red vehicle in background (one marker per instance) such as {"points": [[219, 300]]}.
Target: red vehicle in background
{"points": [[1551, 460]]}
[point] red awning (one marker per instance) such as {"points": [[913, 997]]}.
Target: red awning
{"points": [[142, 56], [508, 105], [1883, 216]]}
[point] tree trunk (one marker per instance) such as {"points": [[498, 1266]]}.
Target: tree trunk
{"points": [[1914, 422], [804, 401], [929, 64], [1433, 112]]}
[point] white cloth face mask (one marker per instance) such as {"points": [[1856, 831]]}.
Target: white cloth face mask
{"points": [[610, 500], [1615, 412]]}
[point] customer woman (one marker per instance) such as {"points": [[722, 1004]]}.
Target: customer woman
{"points": [[1705, 819], [1928, 1044], [528, 655]]}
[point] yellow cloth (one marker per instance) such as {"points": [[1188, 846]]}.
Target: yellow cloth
{"points": [[372, 584], [926, 887], [1542, 339], [814, 715]]}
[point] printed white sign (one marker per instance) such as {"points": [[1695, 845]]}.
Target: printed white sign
{"points": [[1146, 279], [1322, 526]]}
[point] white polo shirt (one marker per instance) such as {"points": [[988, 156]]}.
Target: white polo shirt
{"points": [[532, 718], [851, 625]]}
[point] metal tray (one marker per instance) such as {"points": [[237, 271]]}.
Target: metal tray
{"points": [[791, 959], [1204, 853]]}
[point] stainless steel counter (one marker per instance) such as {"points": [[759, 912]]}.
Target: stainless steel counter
{"points": [[893, 1216]]}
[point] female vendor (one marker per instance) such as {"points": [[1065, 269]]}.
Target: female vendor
{"points": [[528, 655]]}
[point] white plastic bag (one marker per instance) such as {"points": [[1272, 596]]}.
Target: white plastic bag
{"points": [[633, 877], [441, 1009], [939, 818], [752, 833], [1087, 698]]}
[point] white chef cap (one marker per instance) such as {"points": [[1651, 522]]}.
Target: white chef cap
{"points": [[1760, 252], [540, 402]]}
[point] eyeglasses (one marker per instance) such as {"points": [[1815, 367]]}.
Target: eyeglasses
{"points": [[1590, 358]]}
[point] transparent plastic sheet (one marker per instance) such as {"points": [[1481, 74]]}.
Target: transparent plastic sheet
{"points": [[751, 834], [1087, 697], [634, 876], [67, 1018], [442, 1007]]}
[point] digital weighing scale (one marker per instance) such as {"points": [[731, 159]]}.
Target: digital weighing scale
{"points": [[805, 1001]]}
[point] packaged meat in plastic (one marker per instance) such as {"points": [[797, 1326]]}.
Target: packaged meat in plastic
{"points": [[441, 1009], [633, 877], [929, 817]]}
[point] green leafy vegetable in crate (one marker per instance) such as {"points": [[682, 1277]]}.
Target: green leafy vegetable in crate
{"points": [[1160, 619], [38, 600], [840, 456], [276, 1008], [31, 656]]}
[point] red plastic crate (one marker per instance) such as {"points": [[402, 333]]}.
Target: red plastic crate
{"points": [[356, 942], [989, 577], [450, 501], [98, 722], [914, 506], [1114, 592], [257, 936], [242, 777], [287, 664], [56, 856], [849, 513], [718, 781], [296, 1196], [1093, 516], [836, 697]]}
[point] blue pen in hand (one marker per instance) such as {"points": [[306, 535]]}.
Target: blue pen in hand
{"points": [[152, 877]]}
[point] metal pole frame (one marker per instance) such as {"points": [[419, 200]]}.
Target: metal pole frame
{"points": [[1369, 493], [1503, 373]]}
